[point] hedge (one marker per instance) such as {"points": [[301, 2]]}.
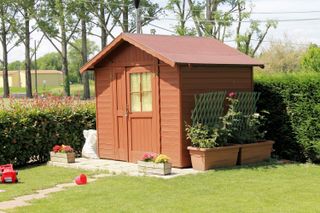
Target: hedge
{"points": [[30, 128], [293, 103]]}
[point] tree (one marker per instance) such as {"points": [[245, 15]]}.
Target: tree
{"points": [[50, 61], [74, 54], [215, 18], [244, 41], [126, 8], [7, 14], [83, 14], [16, 65], [282, 56], [215, 21], [179, 8], [22, 29], [105, 12], [311, 58], [57, 21]]}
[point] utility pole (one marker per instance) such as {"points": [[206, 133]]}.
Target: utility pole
{"points": [[208, 12], [138, 16], [35, 68]]}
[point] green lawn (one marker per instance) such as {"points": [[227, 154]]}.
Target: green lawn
{"points": [[32, 179], [272, 188], [75, 90]]}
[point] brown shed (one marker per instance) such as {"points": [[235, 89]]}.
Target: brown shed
{"points": [[145, 87]]}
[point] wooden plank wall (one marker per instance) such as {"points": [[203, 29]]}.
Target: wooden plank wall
{"points": [[124, 56], [200, 79], [170, 114], [104, 112]]}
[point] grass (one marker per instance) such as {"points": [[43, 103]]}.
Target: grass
{"points": [[272, 188], [32, 179], [75, 90]]}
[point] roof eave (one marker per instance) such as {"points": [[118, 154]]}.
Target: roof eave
{"points": [[217, 64], [90, 65]]}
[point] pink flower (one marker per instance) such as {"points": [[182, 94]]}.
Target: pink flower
{"points": [[149, 156], [232, 95]]}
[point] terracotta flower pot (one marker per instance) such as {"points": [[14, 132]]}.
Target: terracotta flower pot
{"points": [[209, 158], [255, 152]]}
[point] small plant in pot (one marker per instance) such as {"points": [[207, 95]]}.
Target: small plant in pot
{"points": [[210, 148], [152, 163]]}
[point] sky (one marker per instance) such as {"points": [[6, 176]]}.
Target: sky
{"points": [[301, 33]]}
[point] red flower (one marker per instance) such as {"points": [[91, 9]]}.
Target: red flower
{"points": [[56, 148], [63, 149]]}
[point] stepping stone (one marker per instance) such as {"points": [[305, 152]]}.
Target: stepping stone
{"points": [[12, 204]]}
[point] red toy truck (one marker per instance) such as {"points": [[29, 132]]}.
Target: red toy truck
{"points": [[8, 175]]}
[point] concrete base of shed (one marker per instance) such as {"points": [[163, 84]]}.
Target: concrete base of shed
{"points": [[117, 167]]}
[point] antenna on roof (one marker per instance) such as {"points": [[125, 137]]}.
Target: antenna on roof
{"points": [[138, 16]]}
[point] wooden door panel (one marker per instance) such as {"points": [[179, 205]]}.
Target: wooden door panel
{"points": [[141, 137], [120, 132], [142, 125]]}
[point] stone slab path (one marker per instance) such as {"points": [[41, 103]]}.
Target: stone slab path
{"points": [[118, 167], [42, 193]]}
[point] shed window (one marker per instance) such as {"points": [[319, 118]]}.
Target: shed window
{"points": [[141, 92]]}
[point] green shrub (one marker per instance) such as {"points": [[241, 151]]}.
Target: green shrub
{"points": [[293, 103], [30, 128], [311, 58]]}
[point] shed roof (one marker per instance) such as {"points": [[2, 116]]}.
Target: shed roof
{"points": [[179, 50]]}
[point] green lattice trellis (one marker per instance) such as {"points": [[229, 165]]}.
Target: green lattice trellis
{"points": [[208, 108], [247, 102]]}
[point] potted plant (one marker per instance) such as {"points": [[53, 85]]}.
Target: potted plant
{"points": [[209, 148], [152, 163], [248, 133], [62, 154]]}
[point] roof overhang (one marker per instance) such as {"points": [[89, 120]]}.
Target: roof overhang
{"points": [[114, 44], [90, 65]]}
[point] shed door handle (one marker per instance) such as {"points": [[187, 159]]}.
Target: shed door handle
{"points": [[127, 112]]}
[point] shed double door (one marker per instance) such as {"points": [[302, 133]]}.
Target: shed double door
{"points": [[134, 93]]}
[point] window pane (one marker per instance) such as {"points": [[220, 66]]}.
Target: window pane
{"points": [[135, 102], [146, 81], [135, 82], [147, 101]]}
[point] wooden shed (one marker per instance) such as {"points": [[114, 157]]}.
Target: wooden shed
{"points": [[145, 87]]}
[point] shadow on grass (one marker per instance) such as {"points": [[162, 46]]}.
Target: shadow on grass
{"points": [[269, 164]]}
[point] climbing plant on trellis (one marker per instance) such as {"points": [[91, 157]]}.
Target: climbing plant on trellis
{"points": [[208, 108], [246, 105], [247, 102]]}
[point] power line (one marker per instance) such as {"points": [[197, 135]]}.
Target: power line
{"points": [[243, 21], [266, 41], [286, 12], [162, 28], [113, 4]]}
